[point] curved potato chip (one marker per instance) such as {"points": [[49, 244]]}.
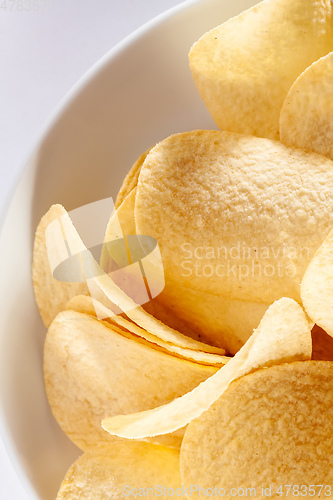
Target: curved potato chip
{"points": [[224, 322], [123, 215], [238, 216], [104, 288], [122, 469], [51, 295], [273, 427], [317, 286], [130, 180], [306, 119], [84, 304], [92, 371], [283, 335], [227, 323], [244, 68]]}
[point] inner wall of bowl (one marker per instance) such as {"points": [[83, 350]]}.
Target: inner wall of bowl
{"points": [[136, 96]]}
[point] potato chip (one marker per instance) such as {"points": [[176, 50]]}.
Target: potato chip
{"points": [[167, 312], [283, 335], [270, 429], [123, 469], [84, 304], [51, 295], [124, 216], [93, 371], [322, 345], [236, 216], [103, 287], [227, 323], [220, 321], [130, 180], [317, 286], [245, 67], [306, 119]]}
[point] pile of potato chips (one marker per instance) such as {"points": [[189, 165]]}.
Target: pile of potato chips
{"points": [[222, 382]]}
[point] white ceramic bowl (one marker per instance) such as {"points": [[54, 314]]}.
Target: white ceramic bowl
{"points": [[138, 94]]}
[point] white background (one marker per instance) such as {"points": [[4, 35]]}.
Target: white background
{"points": [[45, 47]]}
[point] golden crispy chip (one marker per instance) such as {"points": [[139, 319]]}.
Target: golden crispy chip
{"points": [[51, 295], [273, 427], [223, 322], [130, 180], [113, 471], [93, 371], [166, 312], [306, 119], [104, 288], [244, 68], [322, 344], [156, 308], [283, 335], [238, 216], [124, 216], [317, 286], [227, 323], [84, 304]]}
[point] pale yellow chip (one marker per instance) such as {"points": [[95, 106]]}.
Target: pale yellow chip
{"points": [[124, 216], [101, 287], [167, 312], [130, 180], [123, 469], [93, 371], [271, 429], [220, 321], [306, 119], [227, 323], [82, 304], [51, 295], [317, 286], [236, 216], [85, 305], [245, 67], [283, 335]]}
